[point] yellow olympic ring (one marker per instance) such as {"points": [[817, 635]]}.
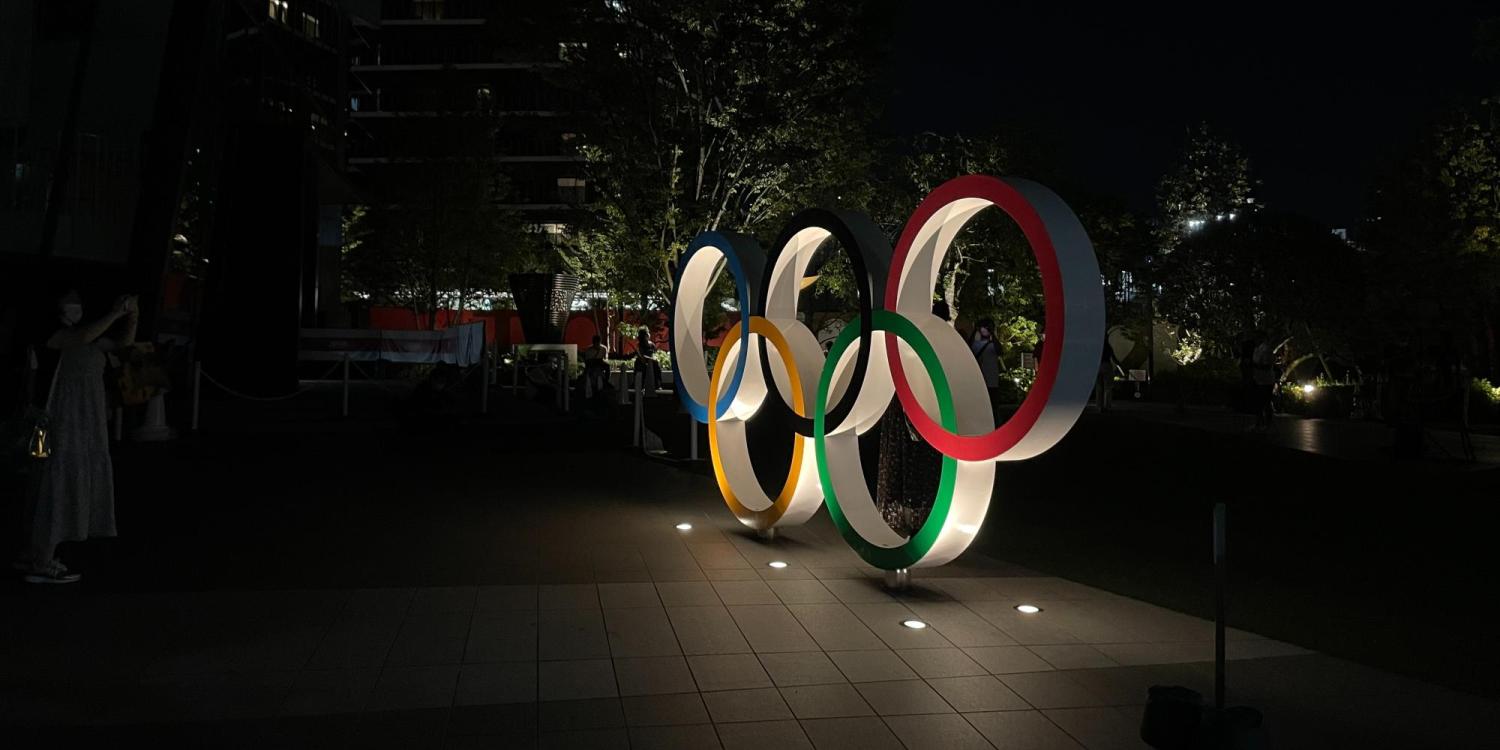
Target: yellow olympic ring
{"points": [[764, 518]]}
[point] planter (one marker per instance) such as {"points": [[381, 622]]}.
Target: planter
{"points": [[543, 302]]}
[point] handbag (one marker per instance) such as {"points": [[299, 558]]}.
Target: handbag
{"points": [[28, 438]]}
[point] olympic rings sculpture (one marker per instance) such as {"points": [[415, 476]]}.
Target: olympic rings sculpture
{"points": [[770, 362]]}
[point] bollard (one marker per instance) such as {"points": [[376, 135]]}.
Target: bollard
{"points": [[197, 388], [693, 430], [345, 406]]}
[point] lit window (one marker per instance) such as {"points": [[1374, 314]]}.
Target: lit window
{"points": [[278, 9], [571, 189], [430, 10], [309, 26]]}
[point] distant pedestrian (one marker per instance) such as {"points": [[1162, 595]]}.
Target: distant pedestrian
{"points": [[646, 365], [75, 498], [595, 365], [987, 352], [1107, 368], [1263, 364]]}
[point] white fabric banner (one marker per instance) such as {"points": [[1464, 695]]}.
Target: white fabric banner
{"points": [[461, 345]]}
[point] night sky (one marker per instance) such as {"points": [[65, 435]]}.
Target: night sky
{"points": [[1320, 98]]}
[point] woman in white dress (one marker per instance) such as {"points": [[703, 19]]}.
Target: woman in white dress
{"points": [[75, 499]]}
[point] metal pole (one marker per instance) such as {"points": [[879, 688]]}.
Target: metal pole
{"points": [[119, 420], [636, 433], [484, 382], [515, 370], [1221, 581], [345, 406], [197, 388], [693, 430]]}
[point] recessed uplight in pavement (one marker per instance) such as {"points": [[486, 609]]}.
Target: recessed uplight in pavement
{"points": [[1028, 609], [777, 564], [684, 527], [914, 624]]}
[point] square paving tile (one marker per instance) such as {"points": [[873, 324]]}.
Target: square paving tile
{"points": [[689, 737], [1008, 659], [654, 675], [620, 595], [444, 599], [941, 662], [586, 739], [502, 637], [707, 630], [640, 631], [506, 682], [771, 628], [903, 697], [984, 693], [568, 596], [586, 713], [834, 627], [429, 639], [801, 668], [872, 665], [1052, 690], [414, 687], [759, 704], [861, 733], [745, 592], [329, 691], [1100, 728], [858, 590], [763, 735], [506, 599], [573, 680], [825, 701], [885, 621], [959, 624], [1022, 731], [660, 710], [950, 732], [808, 591], [572, 634], [687, 594], [1073, 656], [517, 720], [728, 672]]}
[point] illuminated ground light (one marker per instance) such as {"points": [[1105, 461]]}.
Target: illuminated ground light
{"points": [[914, 624], [777, 564], [684, 527], [1028, 609], [1309, 388]]}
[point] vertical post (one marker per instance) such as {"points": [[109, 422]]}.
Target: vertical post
{"points": [[623, 382], [484, 381], [1221, 581], [693, 431], [197, 388], [639, 421], [515, 370], [344, 408], [119, 420]]}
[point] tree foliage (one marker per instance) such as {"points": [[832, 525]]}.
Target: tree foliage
{"points": [[436, 239], [724, 114]]}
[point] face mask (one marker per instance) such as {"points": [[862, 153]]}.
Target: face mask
{"points": [[72, 313]]}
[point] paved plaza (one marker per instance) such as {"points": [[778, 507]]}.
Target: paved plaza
{"points": [[516, 596]]}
